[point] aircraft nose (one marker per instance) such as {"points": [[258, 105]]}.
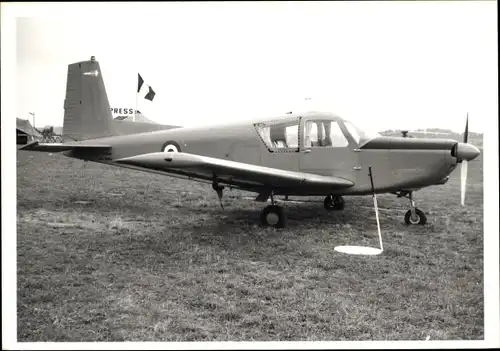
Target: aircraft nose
{"points": [[467, 152]]}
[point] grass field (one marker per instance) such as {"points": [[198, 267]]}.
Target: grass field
{"points": [[107, 254]]}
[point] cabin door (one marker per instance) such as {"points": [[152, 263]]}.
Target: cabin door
{"points": [[326, 148]]}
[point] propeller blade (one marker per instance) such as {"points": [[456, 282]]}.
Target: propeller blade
{"points": [[463, 180], [466, 134], [464, 167]]}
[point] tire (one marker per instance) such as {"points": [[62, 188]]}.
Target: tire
{"points": [[422, 219], [339, 203], [332, 203], [273, 216]]}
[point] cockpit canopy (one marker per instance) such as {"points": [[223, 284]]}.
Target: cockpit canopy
{"points": [[317, 131]]}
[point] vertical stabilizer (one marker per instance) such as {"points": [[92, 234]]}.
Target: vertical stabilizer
{"points": [[87, 113]]}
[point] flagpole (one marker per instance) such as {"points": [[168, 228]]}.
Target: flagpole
{"points": [[138, 90], [136, 104]]}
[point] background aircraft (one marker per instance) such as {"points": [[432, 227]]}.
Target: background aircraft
{"points": [[307, 154]]}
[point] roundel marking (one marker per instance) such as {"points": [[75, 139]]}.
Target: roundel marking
{"points": [[171, 146]]}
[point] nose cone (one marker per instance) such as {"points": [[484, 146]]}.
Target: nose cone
{"points": [[467, 152]]}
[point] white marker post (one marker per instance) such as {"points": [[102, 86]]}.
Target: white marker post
{"points": [[364, 250]]}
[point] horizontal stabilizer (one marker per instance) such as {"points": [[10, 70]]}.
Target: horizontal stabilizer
{"points": [[226, 169], [59, 147]]}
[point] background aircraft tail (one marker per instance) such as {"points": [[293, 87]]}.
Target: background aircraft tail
{"points": [[87, 113]]}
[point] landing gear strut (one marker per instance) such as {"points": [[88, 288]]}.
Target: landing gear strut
{"points": [[414, 215], [218, 189], [334, 203], [273, 215]]}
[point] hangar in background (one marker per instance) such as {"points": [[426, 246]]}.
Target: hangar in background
{"points": [[25, 132]]}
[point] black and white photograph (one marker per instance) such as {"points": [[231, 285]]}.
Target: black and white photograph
{"points": [[249, 175]]}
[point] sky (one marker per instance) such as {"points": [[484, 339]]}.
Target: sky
{"points": [[383, 65]]}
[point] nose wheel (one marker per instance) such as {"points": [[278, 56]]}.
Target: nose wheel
{"points": [[418, 218], [334, 203], [414, 215]]}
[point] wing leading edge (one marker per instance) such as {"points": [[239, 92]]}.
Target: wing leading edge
{"points": [[232, 172]]}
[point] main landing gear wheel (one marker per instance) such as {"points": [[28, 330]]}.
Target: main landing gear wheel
{"points": [[333, 203], [274, 216], [419, 217]]}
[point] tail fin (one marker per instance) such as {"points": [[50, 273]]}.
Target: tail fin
{"points": [[87, 113]]}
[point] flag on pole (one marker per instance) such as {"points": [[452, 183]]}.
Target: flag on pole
{"points": [[140, 83], [150, 95]]}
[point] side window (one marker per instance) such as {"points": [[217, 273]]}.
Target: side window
{"points": [[311, 134], [292, 136], [323, 133], [352, 130], [337, 138], [265, 133], [280, 136]]}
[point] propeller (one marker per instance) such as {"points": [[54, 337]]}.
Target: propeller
{"points": [[365, 250], [465, 152], [464, 167]]}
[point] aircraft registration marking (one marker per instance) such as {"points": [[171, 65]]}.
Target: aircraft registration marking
{"points": [[91, 73]]}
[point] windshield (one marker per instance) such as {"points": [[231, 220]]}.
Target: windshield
{"points": [[361, 135]]}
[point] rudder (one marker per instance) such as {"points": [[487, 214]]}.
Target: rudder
{"points": [[87, 113]]}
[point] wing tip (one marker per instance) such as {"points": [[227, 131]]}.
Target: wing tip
{"points": [[29, 146], [59, 147]]}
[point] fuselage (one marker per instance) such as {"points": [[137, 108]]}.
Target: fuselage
{"points": [[318, 143]]}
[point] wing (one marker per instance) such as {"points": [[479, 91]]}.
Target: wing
{"points": [[243, 175], [59, 147]]}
